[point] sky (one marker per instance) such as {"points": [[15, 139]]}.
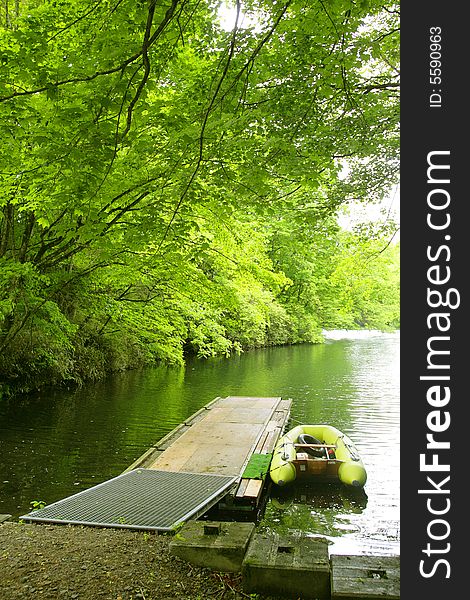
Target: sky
{"points": [[228, 14], [366, 213]]}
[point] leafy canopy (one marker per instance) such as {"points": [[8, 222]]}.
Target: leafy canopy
{"points": [[169, 185]]}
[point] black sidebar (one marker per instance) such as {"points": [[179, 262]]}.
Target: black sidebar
{"points": [[435, 267]]}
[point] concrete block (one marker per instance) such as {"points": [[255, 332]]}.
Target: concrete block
{"points": [[365, 577], [215, 544], [291, 565]]}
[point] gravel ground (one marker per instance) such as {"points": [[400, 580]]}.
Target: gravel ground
{"points": [[60, 562]]}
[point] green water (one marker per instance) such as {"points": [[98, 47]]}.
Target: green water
{"points": [[60, 442]]}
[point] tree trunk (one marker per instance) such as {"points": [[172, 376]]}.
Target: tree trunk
{"points": [[28, 230], [5, 229]]}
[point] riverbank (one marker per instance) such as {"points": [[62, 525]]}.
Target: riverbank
{"points": [[54, 562], [87, 367]]}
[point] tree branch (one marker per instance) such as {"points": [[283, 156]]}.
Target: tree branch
{"points": [[120, 67]]}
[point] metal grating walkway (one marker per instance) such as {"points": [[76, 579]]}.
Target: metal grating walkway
{"points": [[139, 499]]}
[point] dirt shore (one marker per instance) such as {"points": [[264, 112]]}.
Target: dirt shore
{"points": [[60, 562]]}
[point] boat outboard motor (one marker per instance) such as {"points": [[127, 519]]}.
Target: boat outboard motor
{"points": [[305, 438]]}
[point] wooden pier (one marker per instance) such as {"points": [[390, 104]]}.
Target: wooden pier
{"points": [[220, 454], [221, 438]]}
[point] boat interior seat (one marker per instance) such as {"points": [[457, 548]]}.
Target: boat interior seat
{"points": [[305, 438]]}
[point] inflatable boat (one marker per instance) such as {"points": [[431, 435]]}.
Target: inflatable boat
{"points": [[317, 452]]}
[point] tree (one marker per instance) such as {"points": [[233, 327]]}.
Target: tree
{"points": [[140, 140]]}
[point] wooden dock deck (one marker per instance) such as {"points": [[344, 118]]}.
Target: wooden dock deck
{"points": [[221, 438]]}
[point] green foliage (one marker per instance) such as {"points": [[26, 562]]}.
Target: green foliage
{"points": [[37, 504], [362, 290], [169, 187]]}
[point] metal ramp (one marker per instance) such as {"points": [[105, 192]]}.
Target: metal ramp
{"points": [[139, 499]]}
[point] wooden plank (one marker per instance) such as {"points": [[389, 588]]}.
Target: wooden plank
{"points": [[240, 402], [271, 441], [260, 444], [274, 430], [279, 417], [195, 418], [218, 433], [285, 405], [169, 439], [222, 442], [230, 414], [242, 487], [226, 461], [268, 441], [174, 461], [150, 455], [253, 489]]}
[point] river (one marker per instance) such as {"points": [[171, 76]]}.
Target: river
{"points": [[59, 442]]}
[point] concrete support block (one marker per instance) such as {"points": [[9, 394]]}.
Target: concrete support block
{"points": [[292, 566], [218, 545], [365, 577], [4, 517]]}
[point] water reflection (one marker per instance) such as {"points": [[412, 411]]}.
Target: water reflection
{"points": [[357, 390], [325, 510], [330, 511]]}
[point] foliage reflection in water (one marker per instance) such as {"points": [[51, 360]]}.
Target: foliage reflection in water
{"points": [[360, 396], [314, 508], [60, 442]]}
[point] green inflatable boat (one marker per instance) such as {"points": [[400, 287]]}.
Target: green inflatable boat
{"points": [[319, 452]]}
